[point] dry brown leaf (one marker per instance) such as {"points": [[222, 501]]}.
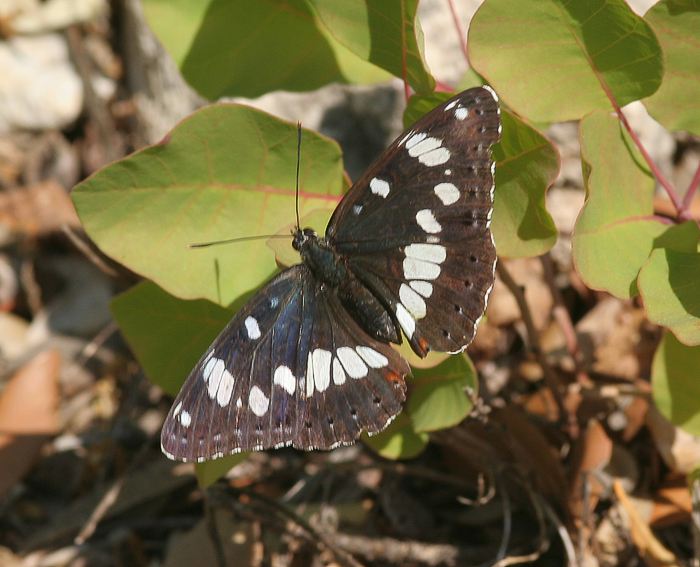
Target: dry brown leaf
{"points": [[672, 503], [651, 549], [37, 209], [591, 455], [680, 450], [28, 415]]}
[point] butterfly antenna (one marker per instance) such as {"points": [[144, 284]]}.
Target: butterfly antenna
{"points": [[297, 182], [240, 239]]}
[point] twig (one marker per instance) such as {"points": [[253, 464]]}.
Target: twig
{"points": [[561, 530], [533, 339], [458, 29], [110, 497], [692, 189], [561, 315], [322, 542], [399, 552]]}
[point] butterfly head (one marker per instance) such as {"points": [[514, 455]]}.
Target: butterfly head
{"points": [[302, 236]]}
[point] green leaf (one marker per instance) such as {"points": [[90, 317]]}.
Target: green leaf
{"points": [[398, 441], [168, 335], [243, 48], [225, 171], [211, 471], [384, 33], [552, 60], [675, 384], [669, 284], [676, 104], [526, 165], [433, 359], [438, 398], [615, 231]]}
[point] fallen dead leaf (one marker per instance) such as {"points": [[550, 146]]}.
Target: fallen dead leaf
{"points": [[28, 415], [679, 449], [651, 549], [591, 455]]}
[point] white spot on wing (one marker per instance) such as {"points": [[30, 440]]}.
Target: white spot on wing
{"points": [[415, 139], [338, 372], [414, 269], [427, 221], [357, 209], [447, 193], [461, 113], [379, 187], [423, 146], [405, 320], [352, 362], [309, 376], [451, 105], [372, 357], [208, 368], [251, 326], [322, 368], [215, 376], [412, 301], [283, 377], [185, 419], [223, 395], [258, 401], [448, 172], [239, 403], [178, 407], [435, 253], [436, 157], [424, 288]]}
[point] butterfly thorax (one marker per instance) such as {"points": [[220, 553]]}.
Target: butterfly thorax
{"points": [[324, 262]]}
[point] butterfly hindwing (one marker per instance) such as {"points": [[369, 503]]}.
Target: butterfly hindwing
{"points": [[291, 368], [416, 226]]}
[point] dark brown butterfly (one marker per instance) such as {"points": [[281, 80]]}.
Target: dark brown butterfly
{"points": [[307, 362]]}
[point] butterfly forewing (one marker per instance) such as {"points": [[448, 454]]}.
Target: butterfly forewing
{"points": [[291, 368], [416, 226]]}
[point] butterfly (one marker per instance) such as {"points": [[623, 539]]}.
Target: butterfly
{"points": [[307, 361]]}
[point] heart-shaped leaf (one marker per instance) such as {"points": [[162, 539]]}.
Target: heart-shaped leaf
{"points": [[242, 48], [669, 284], [615, 231], [438, 395], [677, 102], [384, 33], [226, 171], [676, 388], [398, 441], [554, 60]]}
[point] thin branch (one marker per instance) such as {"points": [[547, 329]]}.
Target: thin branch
{"points": [[533, 339], [322, 542], [660, 177], [563, 319], [690, 193]]}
